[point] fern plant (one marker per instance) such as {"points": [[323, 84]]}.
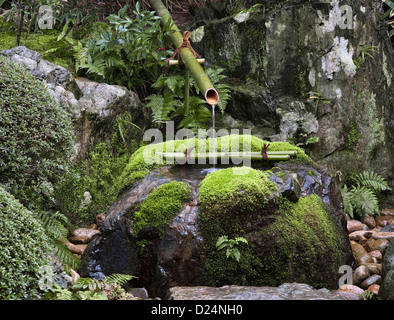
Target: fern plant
{"points": [[55, 225], [362, 198], [168, 104], [108, 288]]}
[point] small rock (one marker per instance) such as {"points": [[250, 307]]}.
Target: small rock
{"points": [[383, 235], [387, 212], [100, 219], [80, 239], [74, 275], [350, 288], [377, 244], [373, 268], [374, 288], [388, 228], [85, 232], [374, 279], [377, 255], [141, 293], [360, 274], [76, 248], [369, 221], [384, 220], [360, 235], [361, 256], [355, 225]]}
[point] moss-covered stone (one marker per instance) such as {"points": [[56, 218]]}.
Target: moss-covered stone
{"points": [[306, 244], [161, 205], [145, 158], [288, 242], [229, 200]]}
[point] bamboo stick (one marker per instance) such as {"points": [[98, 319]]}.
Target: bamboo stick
{"points": [[223, 155], [190, 61], [176, 62]]}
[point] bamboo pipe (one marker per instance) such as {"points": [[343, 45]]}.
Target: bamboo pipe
{"points": [[228, 155], [190, 61]]}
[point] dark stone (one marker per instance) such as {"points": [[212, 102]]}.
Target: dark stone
{"points": [[177, 257]]}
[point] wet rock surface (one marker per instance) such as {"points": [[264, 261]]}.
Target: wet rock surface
{"points": [[287, 291], [178, 258]]}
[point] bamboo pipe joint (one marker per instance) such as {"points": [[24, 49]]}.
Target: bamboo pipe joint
{"points": [[212, 96]]}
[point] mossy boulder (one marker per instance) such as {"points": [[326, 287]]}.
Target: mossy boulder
{"points": [[165, 227], [146, 158], [287, 242]]}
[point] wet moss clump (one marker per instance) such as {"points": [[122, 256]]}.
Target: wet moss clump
{"points": [[230, 200], [306, 245], [287, 242], [161, 205], [145, 158]]}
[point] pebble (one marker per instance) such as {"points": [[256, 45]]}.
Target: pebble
{"points": [[369, 239], [374, 279]]}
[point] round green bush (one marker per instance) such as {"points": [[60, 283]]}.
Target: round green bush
{"points": [[36, 135], [24, 249]]}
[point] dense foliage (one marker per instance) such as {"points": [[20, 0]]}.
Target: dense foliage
{"points": [[36, 136], [24, 249]]}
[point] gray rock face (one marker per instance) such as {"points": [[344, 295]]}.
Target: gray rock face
{"points": [[287, 291], [387, 287], [275, 57], [93, 106]]}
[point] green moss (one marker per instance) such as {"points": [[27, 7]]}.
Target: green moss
{"points": [[353, 135], [44, 42], [228, 199], [305, 237], [99, 174], [145, 158], [234, 190], [161, 205]]}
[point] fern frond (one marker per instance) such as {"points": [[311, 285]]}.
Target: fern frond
{"points": [[347, 201], [65, 255], [118, 278], [54, 223], [224, 94], [364, 200], [372, 180]]}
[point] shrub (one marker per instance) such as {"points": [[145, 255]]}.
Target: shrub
{"points": [[36, 136], [23, 250]]}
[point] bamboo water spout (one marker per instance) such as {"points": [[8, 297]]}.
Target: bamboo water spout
{"points": [[188, 58]]}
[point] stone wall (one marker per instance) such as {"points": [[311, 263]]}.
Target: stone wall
{"points": [[277, 53]]}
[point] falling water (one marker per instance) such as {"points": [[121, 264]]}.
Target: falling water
{"points": [[213, 136]]}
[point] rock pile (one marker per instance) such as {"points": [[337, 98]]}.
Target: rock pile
{"points": [[369, 239], [79, 239]]}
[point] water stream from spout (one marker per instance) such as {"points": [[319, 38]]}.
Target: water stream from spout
{"points": [[213, 136]]}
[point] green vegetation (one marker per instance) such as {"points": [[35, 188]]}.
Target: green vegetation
{"points": [[231, 246], [305, 235], [99, 175], [36, 137], [110, 288], [145, 158], [161, 205], [362, 197], [304, 232], [127, 54], [229, 199], [167, 103], [24, 249]]}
